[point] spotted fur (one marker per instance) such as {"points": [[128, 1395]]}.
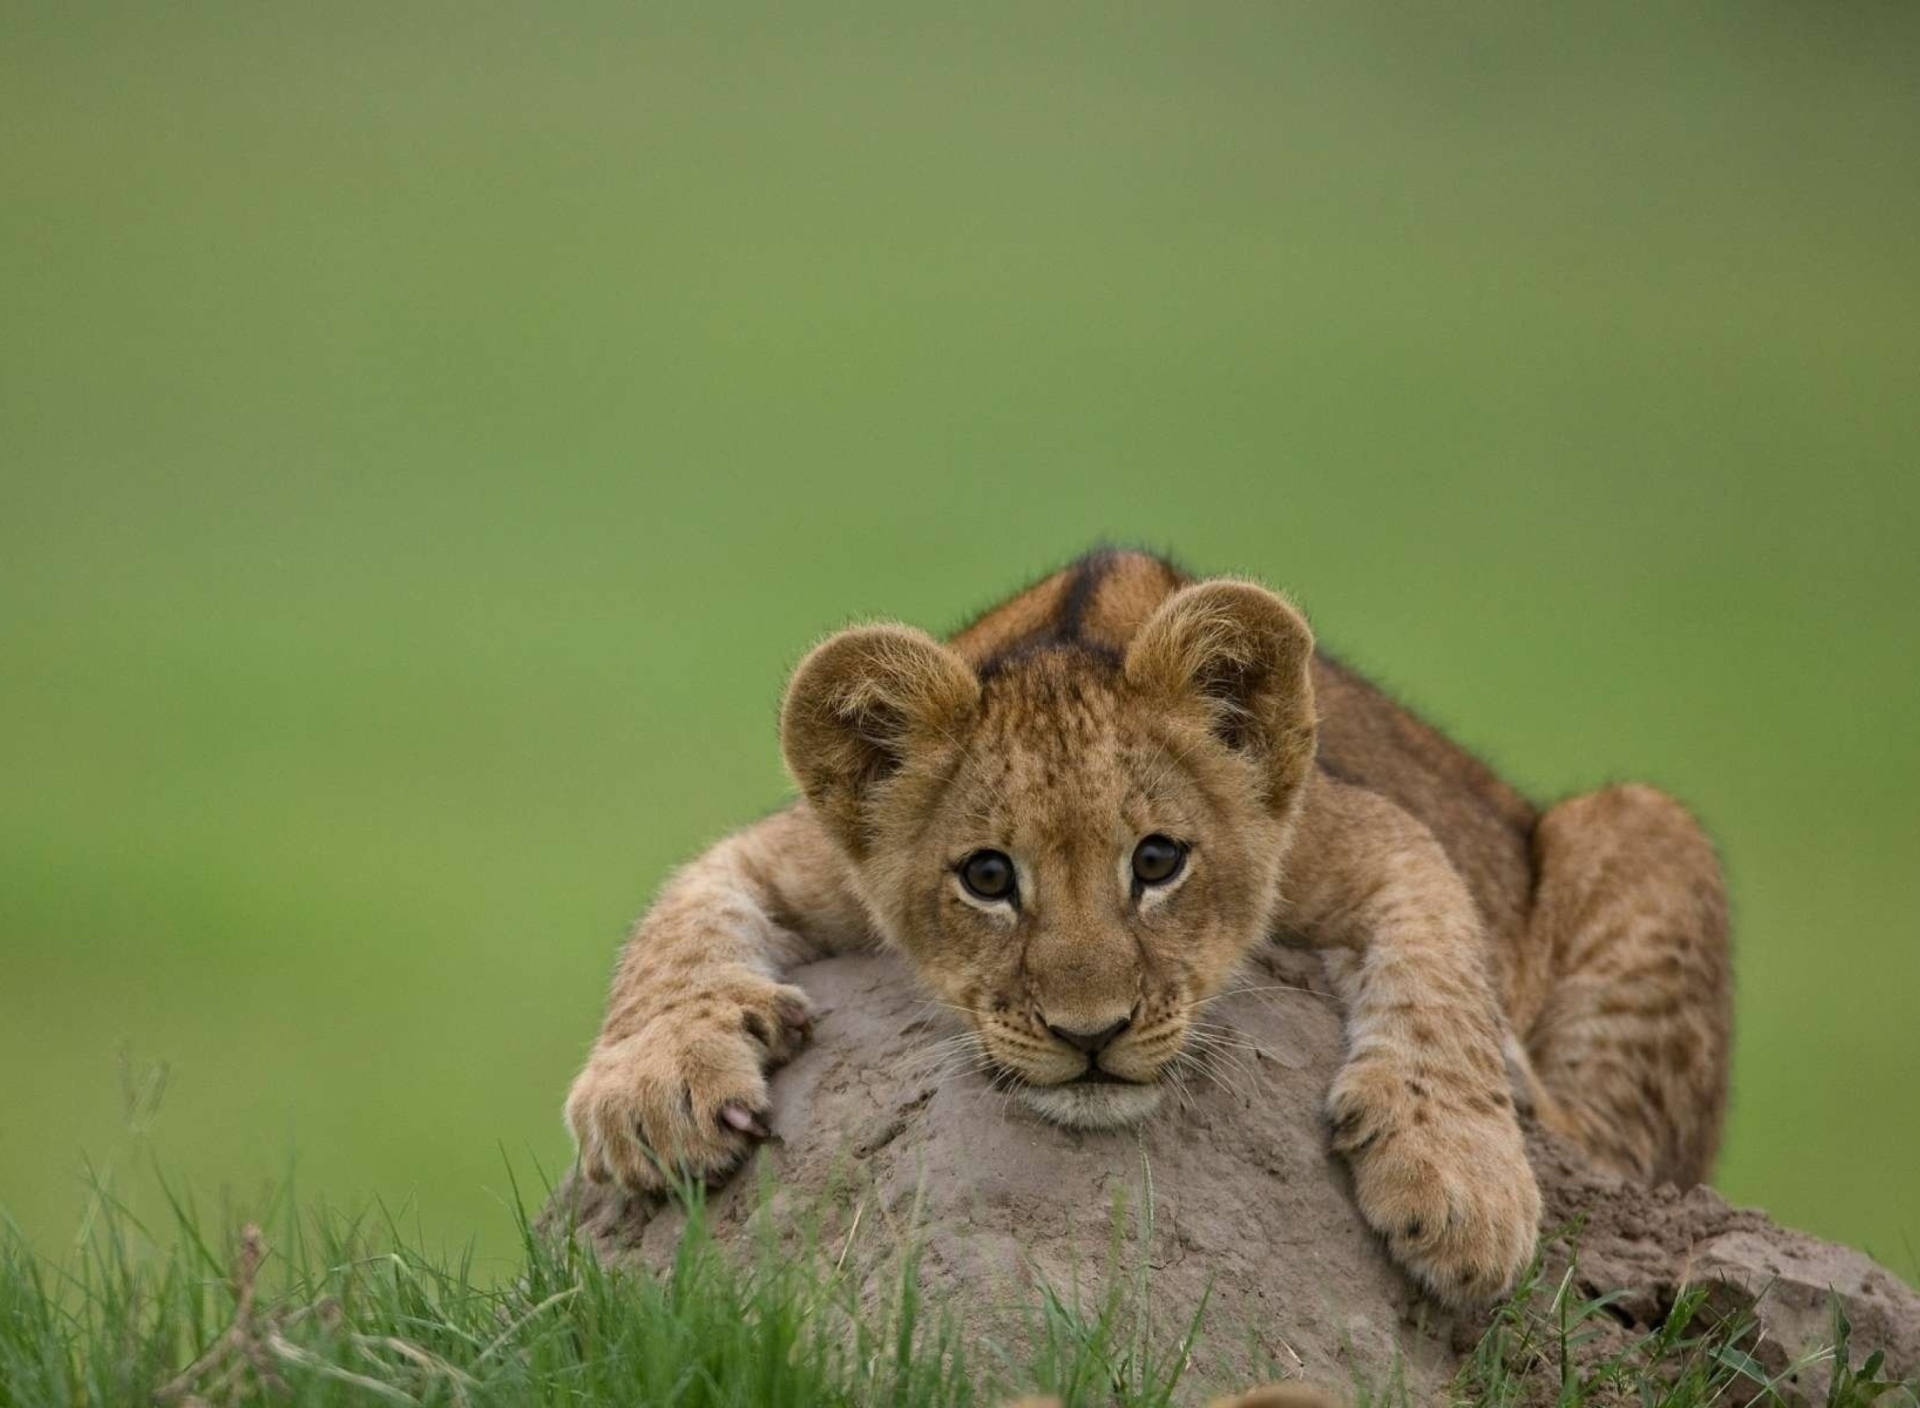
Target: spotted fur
{"points": [[1485, 951]]}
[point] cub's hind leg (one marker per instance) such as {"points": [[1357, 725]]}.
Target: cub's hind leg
{"points": [[1628, 935]]}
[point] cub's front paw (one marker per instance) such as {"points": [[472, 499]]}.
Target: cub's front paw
{"points": [[1439, 1170], [686, 1095]]}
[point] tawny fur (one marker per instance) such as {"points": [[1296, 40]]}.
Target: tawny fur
{"points": [[1574, 959]]}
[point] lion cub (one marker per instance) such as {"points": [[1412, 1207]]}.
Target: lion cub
{"points": [[1080, 814]]}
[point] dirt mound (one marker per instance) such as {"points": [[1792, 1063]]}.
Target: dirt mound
{"points": [[1228, 1193]]}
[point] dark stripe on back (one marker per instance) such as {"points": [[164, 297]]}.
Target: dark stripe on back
{"points": [[1073, 618], [1088, 573]]}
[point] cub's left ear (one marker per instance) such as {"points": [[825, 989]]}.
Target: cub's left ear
{"points": [[861, 708], [1243, 657]]}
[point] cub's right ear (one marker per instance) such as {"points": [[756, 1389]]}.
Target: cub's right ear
{"points": [[862, 707]]}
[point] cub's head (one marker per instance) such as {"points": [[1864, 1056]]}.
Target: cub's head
{"points": [[1074, 847]]}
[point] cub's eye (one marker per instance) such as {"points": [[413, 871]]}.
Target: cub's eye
{"points": [[1157, 859], [988, 874]]}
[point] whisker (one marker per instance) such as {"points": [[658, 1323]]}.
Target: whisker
{"points": [[1224, 1050], [949, 1006], [1176, 1081], [1218, 1029], [922, 1061], [1221, 1036], [1261, 988], [1185, 1063], [1215, 1060]]}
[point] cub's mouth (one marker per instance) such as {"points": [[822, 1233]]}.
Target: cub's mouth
{"points": [[1093, 1100], [1106, 1085], [1093, 1075]]}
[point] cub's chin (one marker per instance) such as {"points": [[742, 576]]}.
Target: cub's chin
{"points": [[1102, 1105]]}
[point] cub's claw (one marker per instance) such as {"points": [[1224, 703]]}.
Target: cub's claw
{"points": [[746, 1121], [686, 1095]]}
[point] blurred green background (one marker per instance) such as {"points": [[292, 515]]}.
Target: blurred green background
{"points": [[429, 433]]}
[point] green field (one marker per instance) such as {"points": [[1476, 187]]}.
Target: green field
{"points": [[429, 433]]}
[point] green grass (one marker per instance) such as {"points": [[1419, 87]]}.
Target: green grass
{"points": [[304, 1306], [322, 1309], [428, 433]]}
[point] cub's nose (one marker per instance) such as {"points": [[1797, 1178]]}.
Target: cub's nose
{"points": [[1090, 1042]]}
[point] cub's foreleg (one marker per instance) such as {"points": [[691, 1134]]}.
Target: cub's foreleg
{"points": [[1421, 1108], [676, 1082], [1629, 929]]}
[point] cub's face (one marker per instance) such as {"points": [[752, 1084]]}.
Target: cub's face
{"points": [[1080, 885], [1074, 850]]}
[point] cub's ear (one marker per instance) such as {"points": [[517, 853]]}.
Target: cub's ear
{"points": [[860, 708], [1242, 656]]}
